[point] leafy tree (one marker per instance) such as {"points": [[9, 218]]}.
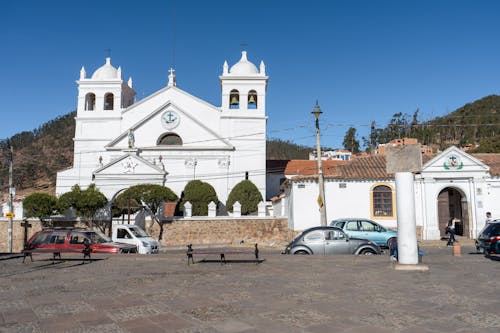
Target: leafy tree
{"points": [[85, 202], [199, 194], [247, 194], [89, 201], [39, 205], [69, 199], [151, 196], [350, 142]]}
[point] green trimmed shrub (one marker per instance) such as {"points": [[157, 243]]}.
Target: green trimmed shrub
{"points": [[248, 196], [199, 194]]}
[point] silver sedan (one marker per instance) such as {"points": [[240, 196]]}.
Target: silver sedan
{"points": [[330, 240]]}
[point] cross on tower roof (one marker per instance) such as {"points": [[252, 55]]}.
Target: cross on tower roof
{"points": [[171, 77]]}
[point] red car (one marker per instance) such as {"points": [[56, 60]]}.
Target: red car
{"points": [[73, 240]]}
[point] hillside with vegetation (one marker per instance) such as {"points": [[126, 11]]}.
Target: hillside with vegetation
{"points": [[475, 124], [277, 149], [40, 153]]}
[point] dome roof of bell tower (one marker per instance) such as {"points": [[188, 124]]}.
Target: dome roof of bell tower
{"points": [[243, 67], [106, 72]]}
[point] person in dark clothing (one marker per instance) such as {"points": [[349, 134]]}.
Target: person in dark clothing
{"points": [[450, 229]]}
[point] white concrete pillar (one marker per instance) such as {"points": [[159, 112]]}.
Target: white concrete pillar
{"points": [[237, 209], [212, 209], [407, 229], [188, 209], [261, 209]]}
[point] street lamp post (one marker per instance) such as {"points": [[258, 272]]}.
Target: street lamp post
{"points": [[321, 199]]}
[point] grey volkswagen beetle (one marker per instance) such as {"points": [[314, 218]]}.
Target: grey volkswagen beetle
{"points": [[330, 240]]}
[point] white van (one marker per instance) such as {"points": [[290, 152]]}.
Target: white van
{"points": [[132, 234]]}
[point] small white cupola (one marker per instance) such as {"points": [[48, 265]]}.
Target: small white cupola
{"points": [[243, 67], [107, 72]]}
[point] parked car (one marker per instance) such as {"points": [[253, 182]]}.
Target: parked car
{"points": [[488, 240], [134, 235], [72, 240], [367, 229], [330, 240]]}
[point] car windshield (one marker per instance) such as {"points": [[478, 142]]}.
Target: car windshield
{"points": [[97, 237], [138, 232], [488, 229]]}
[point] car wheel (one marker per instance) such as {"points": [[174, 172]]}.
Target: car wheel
{"points": [[367, 252], [302, 252], [389, 241]]}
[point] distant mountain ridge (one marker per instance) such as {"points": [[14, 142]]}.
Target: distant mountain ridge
{"points": [[40, 154]]}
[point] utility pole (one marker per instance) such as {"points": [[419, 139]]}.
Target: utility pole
{"points": [[321, 199], [11, 195]]}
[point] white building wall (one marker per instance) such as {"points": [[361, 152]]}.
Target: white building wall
{"points": [[219, 145]]}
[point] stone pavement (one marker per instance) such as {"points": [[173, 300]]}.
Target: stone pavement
{"points": [[161, 293]]}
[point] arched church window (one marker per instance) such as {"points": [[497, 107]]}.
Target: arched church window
{"points": [[109, 99], [169, 139], [234, 99], [252, 99], [90, 102], [382, 201]]}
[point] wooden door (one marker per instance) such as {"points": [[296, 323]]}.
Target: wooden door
{"points": [[443, 211]]}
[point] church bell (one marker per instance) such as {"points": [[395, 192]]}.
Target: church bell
{"points": [[251, 99], [234, 100]]}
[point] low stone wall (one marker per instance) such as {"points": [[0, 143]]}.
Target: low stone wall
{"points": [[17, 234], [245, 230], [197, 231]]}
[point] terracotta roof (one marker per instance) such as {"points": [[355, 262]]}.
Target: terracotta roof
{"points": [[310, 167], [369, 167], [491, 160]]}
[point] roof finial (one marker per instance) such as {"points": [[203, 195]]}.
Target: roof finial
{"points": [[82, 73], [171, 78]]}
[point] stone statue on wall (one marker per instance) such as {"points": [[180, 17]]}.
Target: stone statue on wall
{"points": [[131, 138]]}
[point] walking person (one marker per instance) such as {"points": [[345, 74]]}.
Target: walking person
{"points": [[450, 229], [488, 218]]}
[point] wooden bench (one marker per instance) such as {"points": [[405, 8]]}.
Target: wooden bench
{"points": [[57, 253], [222, 253]]}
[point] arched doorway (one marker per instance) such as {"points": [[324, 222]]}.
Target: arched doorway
{"points": [[453, 203]]}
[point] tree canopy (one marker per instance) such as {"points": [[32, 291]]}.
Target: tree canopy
{"points": [[39, 205], [199, 194], [247, 194]]}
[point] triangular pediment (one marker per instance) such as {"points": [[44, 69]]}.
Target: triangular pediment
{"points": [[195, 132], [454, 160], [129, 164]]}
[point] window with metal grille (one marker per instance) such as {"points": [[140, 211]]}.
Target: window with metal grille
{"points": [[382, 201]]}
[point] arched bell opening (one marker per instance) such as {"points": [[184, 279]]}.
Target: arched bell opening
{"points": [[90, 102], [234, 99], [109, 99], [252, 99]]}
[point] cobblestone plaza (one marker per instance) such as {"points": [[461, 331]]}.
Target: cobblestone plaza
{"points": [[161, 293]]}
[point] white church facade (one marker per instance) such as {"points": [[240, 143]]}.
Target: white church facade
{"points": [[170, 137], [451, 184]]}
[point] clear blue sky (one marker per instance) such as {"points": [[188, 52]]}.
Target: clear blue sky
{"points": [[362, 60]]}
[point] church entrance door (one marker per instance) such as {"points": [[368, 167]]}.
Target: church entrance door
{"points": [[452, 203]]}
